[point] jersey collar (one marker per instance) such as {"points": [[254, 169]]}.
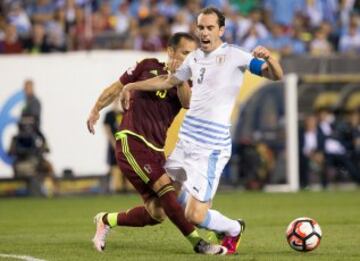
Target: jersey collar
{"points": [[214, 51]]}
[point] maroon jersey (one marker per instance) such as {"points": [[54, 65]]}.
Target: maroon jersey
{"points": [[151, 112]]}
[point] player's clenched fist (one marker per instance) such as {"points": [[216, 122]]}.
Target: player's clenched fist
{"points": [[261, 52]]}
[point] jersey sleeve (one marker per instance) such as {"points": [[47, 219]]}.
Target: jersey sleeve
{"points": [[132, 74], [183, 73], [245, 60]]}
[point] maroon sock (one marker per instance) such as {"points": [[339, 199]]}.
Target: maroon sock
{"points": [[174, 210], [135, 217]]}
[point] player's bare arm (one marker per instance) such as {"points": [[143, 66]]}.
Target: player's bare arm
{"points": [[161, 82], [106, 98], [271, 69], [184, 94]]}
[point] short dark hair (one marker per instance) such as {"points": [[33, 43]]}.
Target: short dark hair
{"points": [[176, 38], [214, 10]]}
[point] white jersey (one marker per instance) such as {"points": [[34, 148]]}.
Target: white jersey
{"points": [[216, 78]]}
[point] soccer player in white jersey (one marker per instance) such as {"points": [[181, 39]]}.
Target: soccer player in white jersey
{"points": [[204, 147]]}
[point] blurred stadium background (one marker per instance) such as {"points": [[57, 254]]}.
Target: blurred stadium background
{"points": [[71, 49]]}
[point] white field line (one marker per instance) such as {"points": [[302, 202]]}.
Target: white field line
{"points": [[26, 258]]}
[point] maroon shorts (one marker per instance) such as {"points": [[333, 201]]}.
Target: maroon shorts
{"points": [[140, 164]]}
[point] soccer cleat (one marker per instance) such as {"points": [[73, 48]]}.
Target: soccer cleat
{"points": [[101, 232], [232, 242], [203, 247], [215, 238]]}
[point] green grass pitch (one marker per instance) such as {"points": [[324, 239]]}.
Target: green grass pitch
{"points": [[61, 228]]}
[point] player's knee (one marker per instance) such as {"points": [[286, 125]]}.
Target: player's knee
{"points": [[194, 216], [155, 210], [158, 214]]}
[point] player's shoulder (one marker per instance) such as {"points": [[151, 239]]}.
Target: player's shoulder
{"points": [[235, 48], [238, 54], [150, 62], [146, 64], [195, 53]]}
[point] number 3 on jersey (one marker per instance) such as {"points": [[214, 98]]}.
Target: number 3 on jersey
{"points": [[201, 76]]}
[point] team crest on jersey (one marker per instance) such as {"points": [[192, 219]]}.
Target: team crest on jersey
{"points": [[220, 59]]}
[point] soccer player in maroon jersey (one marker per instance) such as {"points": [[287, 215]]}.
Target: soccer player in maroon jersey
{"points": [[139, 148]]}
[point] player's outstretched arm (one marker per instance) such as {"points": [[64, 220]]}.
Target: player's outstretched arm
{"points": [[271, 69], [161, 82], [184, 94], [107, 97]]}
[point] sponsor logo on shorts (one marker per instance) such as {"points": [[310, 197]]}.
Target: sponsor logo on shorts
{"points": [[147, 168], [196, 189]]}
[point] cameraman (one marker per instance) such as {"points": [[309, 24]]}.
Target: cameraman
{"points": [[28, 147]]}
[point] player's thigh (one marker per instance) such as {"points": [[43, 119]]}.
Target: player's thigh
{"points": [[174, 163], [141, 165], [203, 171], [140, 186]]}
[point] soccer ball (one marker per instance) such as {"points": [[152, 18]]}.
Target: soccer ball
{"points": [[303, 234]]}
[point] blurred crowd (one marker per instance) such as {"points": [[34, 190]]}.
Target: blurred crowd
{"points": [[329, 145], [328, 136], [319, 27]]}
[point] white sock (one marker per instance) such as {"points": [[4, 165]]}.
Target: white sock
{"points": [[214, 220], [217, 222]]}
